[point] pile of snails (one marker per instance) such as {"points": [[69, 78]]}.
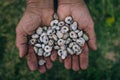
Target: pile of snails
{"points": [[62, 36]]}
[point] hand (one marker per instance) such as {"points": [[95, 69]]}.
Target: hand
{"points": [[78, 10], [37, 13]]}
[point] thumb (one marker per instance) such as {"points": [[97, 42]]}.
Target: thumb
{"points": [[26, 26], [92, 37]]}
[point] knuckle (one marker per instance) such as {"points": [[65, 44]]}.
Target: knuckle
{"points": [[17, 45], [91, 23], [94, 37], [17, 29], [17, 42], [90, 26], [85, 50]]}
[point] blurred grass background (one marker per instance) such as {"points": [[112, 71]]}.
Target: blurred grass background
{"points": [[104, 64]]}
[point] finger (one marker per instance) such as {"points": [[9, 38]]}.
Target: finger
{"points": [[92, 37], [62, 17], [84, 58], [42, 69], [67, 62], [75, 63], [26, 26], [21, 43], [62, 13], [88, 27], [53, 55], [31, 59], [48, 63], [60, 60]]}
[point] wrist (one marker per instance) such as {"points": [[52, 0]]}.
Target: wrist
{"points": [[39, 4], [69, 1]]}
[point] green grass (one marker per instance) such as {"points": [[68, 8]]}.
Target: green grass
{"points": [[104, 64]]}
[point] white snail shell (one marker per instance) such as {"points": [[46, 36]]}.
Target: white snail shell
{"points": [[41, 62], [40, 52], [74, 26], [33, 41], [38, 45], [59, 34], [80, 33], [48, 48], [39, 30], [68, 20], [46, 54], [34, 36], [73, 34], [35, 49], [70, 51], [85, 37], [61, 23], [61, 42], [54, 23], [64, 29]]}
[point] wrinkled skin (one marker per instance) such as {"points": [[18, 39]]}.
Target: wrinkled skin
{"points": [[33, 17], [37, 15], [80, 13]]}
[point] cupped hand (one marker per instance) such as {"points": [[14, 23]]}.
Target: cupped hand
{"points": [[79, 11], [33, 17]]}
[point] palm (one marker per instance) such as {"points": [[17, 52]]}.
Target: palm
{"points": [[27, 25], [82, 16]]}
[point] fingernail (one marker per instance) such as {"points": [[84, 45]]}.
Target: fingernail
{"points": [[95, 47], [21, 55]]}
